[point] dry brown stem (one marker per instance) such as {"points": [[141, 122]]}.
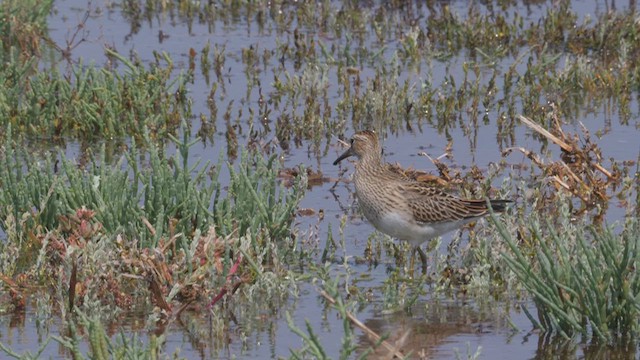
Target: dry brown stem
{"points": [[372, 335]]}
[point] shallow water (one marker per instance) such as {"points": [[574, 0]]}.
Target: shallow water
{"points": [[437, 328]]}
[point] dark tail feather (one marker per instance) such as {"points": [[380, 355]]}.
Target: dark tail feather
{"points": [[477, 208], [499, 205]]}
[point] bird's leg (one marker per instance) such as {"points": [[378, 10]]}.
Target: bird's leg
{"points": [[412, 262], [423, 257]]}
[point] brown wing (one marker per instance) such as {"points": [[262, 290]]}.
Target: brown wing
{"points": [[430, 204]]}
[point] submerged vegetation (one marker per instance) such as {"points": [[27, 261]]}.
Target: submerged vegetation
{"points": [[131, 222]]}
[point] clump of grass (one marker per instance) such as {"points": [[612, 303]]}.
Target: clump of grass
{"points": [[86, 101], [107, 239], [22, 29], [131, 195], [162, 221], [93, 102], [102, 347], [88, 332], [582, 279]]}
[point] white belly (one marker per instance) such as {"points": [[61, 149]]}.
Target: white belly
{"points": [[396, 225]]}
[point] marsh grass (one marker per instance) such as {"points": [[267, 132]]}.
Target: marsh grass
{"points": [[489, 37], [91, 332], [95, 102], [159, 231], [582, 278], [23, 29], [510, 66], [132, 194], [86, 101], [516, 67], [105, 239], [150, 229]]}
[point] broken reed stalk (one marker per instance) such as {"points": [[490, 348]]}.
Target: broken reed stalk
{"points": [[370, 333], [544, 132], [563, 144]]}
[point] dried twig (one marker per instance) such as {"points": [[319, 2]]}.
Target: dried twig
{"points": [[542, 131], [528, 153], [370, 333]]}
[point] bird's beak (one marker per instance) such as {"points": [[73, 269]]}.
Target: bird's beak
{"points": [[345, 155]]}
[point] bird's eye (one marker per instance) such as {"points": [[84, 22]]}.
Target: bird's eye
{"points": [[351, 141]]}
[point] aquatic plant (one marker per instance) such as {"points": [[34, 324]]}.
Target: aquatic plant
{"points": [[144, 200], [86, 101], [582, 277], [117, 219], [22, 30], [313, 344], [93, 101]]}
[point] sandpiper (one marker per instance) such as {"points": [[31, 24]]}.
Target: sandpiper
{"points": [[403, 208]]}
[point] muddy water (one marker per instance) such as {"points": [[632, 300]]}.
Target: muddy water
{"points": [[436, 328]]}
